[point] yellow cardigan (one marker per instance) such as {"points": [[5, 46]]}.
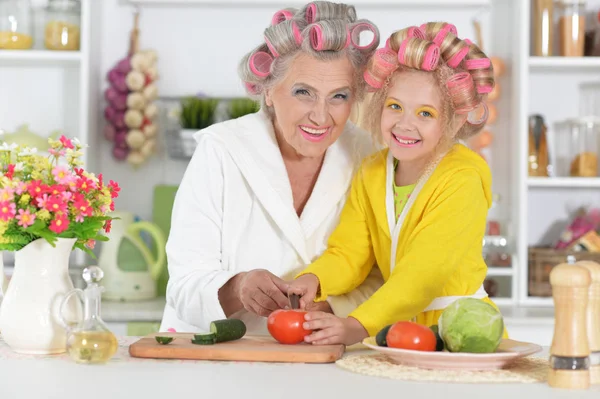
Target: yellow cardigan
{"points": [[439, 249]]}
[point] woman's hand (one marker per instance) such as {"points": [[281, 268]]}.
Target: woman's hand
{"points": [[333, 330], [306, 286], [262, 292]]}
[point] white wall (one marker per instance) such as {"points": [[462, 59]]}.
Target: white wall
{"points": [[199, 48]]}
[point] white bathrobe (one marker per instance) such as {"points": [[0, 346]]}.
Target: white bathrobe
{"points": [[234, 212]]}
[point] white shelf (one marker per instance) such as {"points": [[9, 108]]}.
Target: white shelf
{"points": [[564, 63], [499, 271], [502, 301], [44, 57], [565, 182], [399, 3], [534, 301]]}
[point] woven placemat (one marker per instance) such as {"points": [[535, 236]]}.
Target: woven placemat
{"points": [[525, 370]]}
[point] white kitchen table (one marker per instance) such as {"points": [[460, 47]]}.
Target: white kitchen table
{"points": [[23, 376]]}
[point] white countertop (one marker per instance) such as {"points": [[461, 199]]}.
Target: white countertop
{"points": [[125, 377]]}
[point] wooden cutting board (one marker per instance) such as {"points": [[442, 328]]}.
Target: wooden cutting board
{"points": [[249, 348]]}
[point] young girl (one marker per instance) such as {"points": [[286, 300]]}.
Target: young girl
{"points": [[417, 209]]}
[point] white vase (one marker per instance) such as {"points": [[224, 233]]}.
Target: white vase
{"points": [[29, 319]]}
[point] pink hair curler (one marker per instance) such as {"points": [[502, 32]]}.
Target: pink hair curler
{"points": [[478, 63], [484, 116], [297, 34], [385, 60], [280, 16], [271, 48], [432, 57], [371, 81], [441, 35], [458, 57], [460, 86], [260, 64], [469, 42], [485, 89], [311, 13], [414, 31], [316, 37], [357, 30], [251, 88], [402, 51], [171, 330]]}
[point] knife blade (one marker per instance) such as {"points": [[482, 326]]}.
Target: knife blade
{"points": [[294, 301]]}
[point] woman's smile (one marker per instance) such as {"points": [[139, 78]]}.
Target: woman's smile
{"points": [[314, 133]]}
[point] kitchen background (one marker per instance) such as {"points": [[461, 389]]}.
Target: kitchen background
{"points": [[542, 154]]}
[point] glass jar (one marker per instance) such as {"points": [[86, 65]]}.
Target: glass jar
{"points": [[16, 25], [576, 147], [589, 99], [62, 25], [571, 27]]}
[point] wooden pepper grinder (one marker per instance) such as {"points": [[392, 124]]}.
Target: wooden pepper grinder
{"points": [[593, 319], [570, 350]]}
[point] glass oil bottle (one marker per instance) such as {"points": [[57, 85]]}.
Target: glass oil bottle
{"points": [[90, 341]]}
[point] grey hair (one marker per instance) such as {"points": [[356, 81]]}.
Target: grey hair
{"points": [[324, 30]]}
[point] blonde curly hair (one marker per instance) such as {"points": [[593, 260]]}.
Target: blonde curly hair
{"points": [[462, 70]]}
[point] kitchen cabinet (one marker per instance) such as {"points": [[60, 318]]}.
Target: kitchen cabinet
{"points": [[54, 90]]}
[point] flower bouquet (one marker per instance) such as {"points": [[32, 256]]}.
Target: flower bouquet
{"points": [[50, 197], [48, 206]]}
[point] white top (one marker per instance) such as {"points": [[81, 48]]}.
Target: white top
{"points": [[124, 377], [234, 212]]}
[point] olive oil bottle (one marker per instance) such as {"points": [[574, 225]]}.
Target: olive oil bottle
{"points": [[90, 341]]}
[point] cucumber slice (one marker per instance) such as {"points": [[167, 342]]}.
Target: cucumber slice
{"points": [[203, 341], [205, 337], [228, 329], [163, 340]]}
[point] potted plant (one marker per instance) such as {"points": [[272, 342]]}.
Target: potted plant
{"points": [[48, 206], [242, 106], [196, 113]]}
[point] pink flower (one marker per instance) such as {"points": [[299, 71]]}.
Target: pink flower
{"points": [[66, 142], [57, 153], [7, 194], [85, 184], [114, 189], [83, 208], [42, 201], [66, 195], [25, 218], [7, 210], [36, 188], [90, 243], [62, 174], [10, 171], [55, 203], [21, 188], [59, 224]]}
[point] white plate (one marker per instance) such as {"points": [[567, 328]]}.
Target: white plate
{"points": [[508, 351]]}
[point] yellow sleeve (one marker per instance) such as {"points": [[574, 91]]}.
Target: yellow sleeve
{"points": [[452, 223], [349, 256]]}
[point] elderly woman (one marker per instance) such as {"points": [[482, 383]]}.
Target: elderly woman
{"points": [[263, 192]]}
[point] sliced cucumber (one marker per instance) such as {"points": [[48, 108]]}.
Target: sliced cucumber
{"points": [[205, 337], [204, 341], [163, 340], [228, 329]]}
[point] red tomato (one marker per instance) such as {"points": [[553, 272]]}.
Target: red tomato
{"points": [[286, 326], [409, 335]]}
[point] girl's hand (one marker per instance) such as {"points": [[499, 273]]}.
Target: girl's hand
{"points": [[333, 330], [306, 286]]}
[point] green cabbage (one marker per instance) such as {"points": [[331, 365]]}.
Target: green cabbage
{"points": [[471, 325]]}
